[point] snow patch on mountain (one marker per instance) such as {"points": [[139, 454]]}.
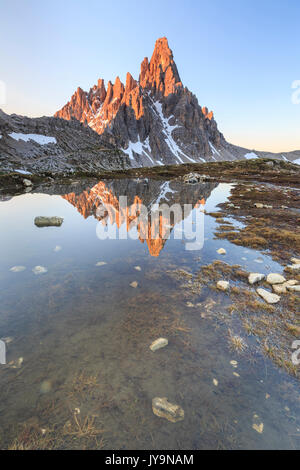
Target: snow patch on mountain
{"points": [[38, 138]]}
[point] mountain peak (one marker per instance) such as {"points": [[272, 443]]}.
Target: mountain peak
{"points": [[154, 119], [161, 74]]}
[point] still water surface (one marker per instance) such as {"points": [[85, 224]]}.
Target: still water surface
{"points": [[87, 377]]}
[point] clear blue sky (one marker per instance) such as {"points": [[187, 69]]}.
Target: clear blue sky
{"points": [[239, 57]]}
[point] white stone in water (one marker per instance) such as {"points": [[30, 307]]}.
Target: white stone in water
{"points": [[215, 382], [39, 270], [164, 409], [279, 288], [293, 288], [258, 427], [101, 263], [291, 282], [27, 182], [137, 268], [134, 284], [294, 267], [255, 277], [158, 344], [275, 278], [268, 296], [221, 251], [259, 260], [223, 285], [57, 248], [17, 269]]}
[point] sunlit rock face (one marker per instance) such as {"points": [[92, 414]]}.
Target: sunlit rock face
{"points": [[155, 119], [103, 202]]}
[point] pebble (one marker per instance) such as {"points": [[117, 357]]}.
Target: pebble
{"points": [[17, 269], [134, 284], [255, 277], [39, 270], [258, 427], [158, 344], [221, 251], [57, 248], [101, 263], [223, 285], [137, 268], [215, 382]]}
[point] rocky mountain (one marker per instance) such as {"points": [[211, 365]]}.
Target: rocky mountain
{"points": [[151, 121], [54, 145], [155, 120]]}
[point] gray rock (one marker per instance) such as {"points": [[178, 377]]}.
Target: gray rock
{"points": [[48, 221]]}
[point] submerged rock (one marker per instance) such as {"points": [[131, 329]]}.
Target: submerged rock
{"points": [[158, 344], [134, 284], [39, 270], [101, 263], [268, 296], [255, 277], [223, 285], [275, 278], [48, 221], [17, 269], [164, 409]]}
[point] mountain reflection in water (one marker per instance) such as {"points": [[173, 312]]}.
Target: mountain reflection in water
{"points": [[105, 195]]}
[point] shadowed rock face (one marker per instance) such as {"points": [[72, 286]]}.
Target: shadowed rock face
{"points": [[72, 146], [102, 202], [155, 120]]}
